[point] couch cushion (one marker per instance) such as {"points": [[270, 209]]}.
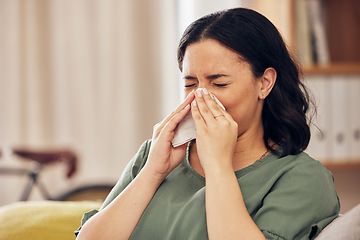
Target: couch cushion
{"points": [[42, 219], [347, 226]]}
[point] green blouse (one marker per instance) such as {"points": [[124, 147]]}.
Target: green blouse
{"points": [[292, 197]]}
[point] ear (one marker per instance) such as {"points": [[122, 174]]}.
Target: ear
{"points": [[267, 80]]}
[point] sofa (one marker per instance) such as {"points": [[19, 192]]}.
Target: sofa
{"points": [[345, 227], [52, 220], [42, 220]]}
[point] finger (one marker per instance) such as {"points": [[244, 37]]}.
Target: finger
{"points": [[226, 114], [190, 97], [168, 130], [204, 110], [198, 119], [213, 106]]}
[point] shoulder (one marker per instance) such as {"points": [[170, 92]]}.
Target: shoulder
{"points": [[306, 168], [302, 189], [130, 172], [298, 166], [139, 159], [308, 176]]}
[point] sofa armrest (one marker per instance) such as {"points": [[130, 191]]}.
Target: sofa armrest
{"points": [[346, 226], [43, 219]]}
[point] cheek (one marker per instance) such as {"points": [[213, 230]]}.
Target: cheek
{"points": [[231, 103], [232, 99], [240, 106], [187, 91], [235, 110]]}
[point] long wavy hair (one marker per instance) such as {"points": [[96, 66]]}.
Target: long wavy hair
{"points": [[259, 43]]}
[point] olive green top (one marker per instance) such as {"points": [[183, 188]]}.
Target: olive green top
{"points": [[292, 197]]}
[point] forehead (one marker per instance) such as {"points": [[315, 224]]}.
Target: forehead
{"points": [[209, 55]]}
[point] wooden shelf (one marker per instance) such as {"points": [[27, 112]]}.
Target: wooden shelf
{"points": [[342, 35], [334, 68], [344, 165]]}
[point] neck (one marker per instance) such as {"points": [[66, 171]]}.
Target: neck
{"points": [[247, 151]]}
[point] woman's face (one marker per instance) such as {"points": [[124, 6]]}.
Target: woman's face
{"points": [[211, 65]]}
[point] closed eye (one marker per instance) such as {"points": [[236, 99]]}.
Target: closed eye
{"points": [[221, 85], [189, 85]]}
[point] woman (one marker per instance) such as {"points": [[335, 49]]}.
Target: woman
{"points": [[245, 176]]}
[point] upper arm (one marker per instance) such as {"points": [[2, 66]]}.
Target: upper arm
{"points": [[129, 173], [301, 202]]}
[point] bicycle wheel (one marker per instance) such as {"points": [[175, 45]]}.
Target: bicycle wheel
{"points": [[90, 193]]}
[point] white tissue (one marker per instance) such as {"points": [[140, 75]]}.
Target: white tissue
{"points": [[186, 131]]}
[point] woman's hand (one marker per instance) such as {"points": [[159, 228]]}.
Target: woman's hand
{"points": [[134, 199], [216, 136], [163, 157], [216, 132]]}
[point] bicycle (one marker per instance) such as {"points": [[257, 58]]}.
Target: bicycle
{"points": [[97, 192]]}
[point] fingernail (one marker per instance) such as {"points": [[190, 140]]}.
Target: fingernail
{"points": [[198, 92], [205, 91], [194, 103]]}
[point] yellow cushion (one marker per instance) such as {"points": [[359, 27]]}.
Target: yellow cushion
{"points": [[39, 220]]}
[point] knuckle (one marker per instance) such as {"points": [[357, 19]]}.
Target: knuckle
{"points": [[196, 116], [205, 111], [225, 123], [172, 113], [156, 127]]}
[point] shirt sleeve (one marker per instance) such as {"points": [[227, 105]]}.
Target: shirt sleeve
{"points": [[130, 172], [300, 204]]}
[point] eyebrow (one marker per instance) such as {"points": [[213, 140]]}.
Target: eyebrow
{"points": [[187, 77], [215, 76], [210, 77]]}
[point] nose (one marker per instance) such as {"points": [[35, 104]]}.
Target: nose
{"points": [[203, 84]]}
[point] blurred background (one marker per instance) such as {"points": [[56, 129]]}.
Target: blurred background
{"points": [[94, 76], [91, 76]]}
